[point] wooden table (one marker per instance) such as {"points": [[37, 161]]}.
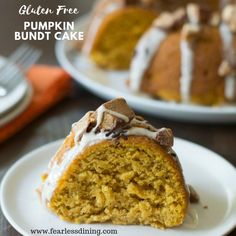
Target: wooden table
{"points": [[56, 123]]}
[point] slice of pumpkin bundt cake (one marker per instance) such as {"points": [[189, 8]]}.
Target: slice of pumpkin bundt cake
{"points": [[114, 30], [116, 167]]}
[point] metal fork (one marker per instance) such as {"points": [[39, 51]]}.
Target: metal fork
{"points": [[23, 58]]}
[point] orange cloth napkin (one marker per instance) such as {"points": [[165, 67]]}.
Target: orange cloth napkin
{"points": [[50, 85]]}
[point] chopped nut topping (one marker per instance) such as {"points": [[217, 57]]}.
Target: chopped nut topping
{"points": [[111, 121], [179, 15], [119, 105], [165, 21], [114, 118], [83, 125], [165, 137], [229, 17], [193, 13], [215, 19], [198, 14], [168, 21], [225, 69]]}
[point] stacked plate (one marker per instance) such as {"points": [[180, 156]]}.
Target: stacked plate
{"points": [[14, 103]]}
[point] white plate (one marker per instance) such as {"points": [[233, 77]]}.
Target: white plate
{"points": [[9, 101], [18, 108], [112, 84], [212, 177]]}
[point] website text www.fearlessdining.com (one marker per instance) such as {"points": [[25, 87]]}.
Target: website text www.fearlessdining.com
{"points": [[79, 231]]}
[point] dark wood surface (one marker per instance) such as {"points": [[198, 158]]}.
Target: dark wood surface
{"points": [[56, 123]]}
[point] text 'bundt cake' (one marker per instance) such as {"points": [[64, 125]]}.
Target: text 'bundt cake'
{"points": [[116, 167]]}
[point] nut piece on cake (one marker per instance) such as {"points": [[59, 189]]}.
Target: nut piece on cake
{"points": [[229, 16], [114, 166]]}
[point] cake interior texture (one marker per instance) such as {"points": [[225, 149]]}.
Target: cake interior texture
{"points": [[118, 35], [128, 180]]}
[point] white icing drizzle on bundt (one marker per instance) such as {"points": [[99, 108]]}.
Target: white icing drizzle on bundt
{"points": [[186, 70], [227, 39], [227, 28], [187, 53], [144, 53], [126, 124], [149, 44], [102, 109], [230, 87]]}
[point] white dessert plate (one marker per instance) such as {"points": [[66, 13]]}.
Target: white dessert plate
{"points": [[211, 175], [18, 108], [112, 84], [14, 97]]}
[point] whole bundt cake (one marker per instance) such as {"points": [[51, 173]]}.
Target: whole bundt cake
{"points": [[116, 26], [116, 167], [188, 56]]}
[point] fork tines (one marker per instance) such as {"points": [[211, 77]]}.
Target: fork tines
{"points": [[23, 57]]}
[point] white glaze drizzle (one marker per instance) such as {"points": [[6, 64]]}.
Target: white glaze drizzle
{"points": [[88, 138], [136, 120], [227, 38], [101, 110], [191, 219], [144, 52], [141, 131], [55, 173], [187, 61], [230, 87], [186, 70], [96, 22]]}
